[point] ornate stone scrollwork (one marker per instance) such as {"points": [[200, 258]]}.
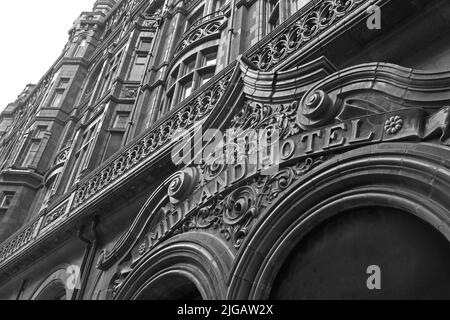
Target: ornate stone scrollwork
{"points": [[118, 279], [317, 108], [182, 184], [262, 116], [129, 92], [234, 214]]}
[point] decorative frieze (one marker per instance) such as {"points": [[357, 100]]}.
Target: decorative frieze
{"points": [[227, 199], [55, 214]]}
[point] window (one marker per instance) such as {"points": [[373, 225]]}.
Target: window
{"points": [[116, 133], [190, 75], [173, 77], [189, 66], [111, 73], [193, 19], [138, 69], [6, 199], [219, 4], [84, 152], [186, 89], [121, 120], [273, 14], [51, 189], [299, 4], [168, 102], [204, 78], [39, 131], [57, 98], [63, 83], [31, 154], [145, 44], [210, 59]]}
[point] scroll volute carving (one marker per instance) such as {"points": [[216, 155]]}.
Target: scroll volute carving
{"points": [[182, 185], [317, 108]]}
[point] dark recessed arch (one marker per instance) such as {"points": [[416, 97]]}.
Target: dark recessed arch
{"points": [[412, 178], [332, 260], [53, 287], [192, 265]]}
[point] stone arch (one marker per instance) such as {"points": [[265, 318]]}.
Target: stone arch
{"points": [[414, 178], [53, 287], [194, 261]]}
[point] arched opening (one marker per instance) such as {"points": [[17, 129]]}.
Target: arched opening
{"points": [[54, 291], [171, 287], [190, 266], [331, 261], [399, 176]]}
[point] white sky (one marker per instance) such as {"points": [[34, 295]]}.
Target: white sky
{"points": [[32, 35]]}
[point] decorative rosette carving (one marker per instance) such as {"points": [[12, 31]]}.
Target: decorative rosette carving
{"points": [[393, 125]]}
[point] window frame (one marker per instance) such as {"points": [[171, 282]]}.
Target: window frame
{"points": [[4, 196]]}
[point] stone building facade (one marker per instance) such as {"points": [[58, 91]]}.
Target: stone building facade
{"points": [[93, 205]]}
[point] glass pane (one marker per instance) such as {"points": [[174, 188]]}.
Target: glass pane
{"points": [[210, 59], [56, 99], [34, 147], [6, 200], [141, 59], [206, 77], [187, 89], [121, 120], [189, 66], [146, 45]]}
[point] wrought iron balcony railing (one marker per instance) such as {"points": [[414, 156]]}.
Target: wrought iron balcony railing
{"points": [[194, 111], [300, 30]]}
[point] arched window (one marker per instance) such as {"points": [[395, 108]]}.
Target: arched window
{"points": [[54, 291], [54, 287], [193, 72]]}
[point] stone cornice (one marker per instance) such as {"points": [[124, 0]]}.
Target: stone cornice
{"points": [[21, 178]]}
